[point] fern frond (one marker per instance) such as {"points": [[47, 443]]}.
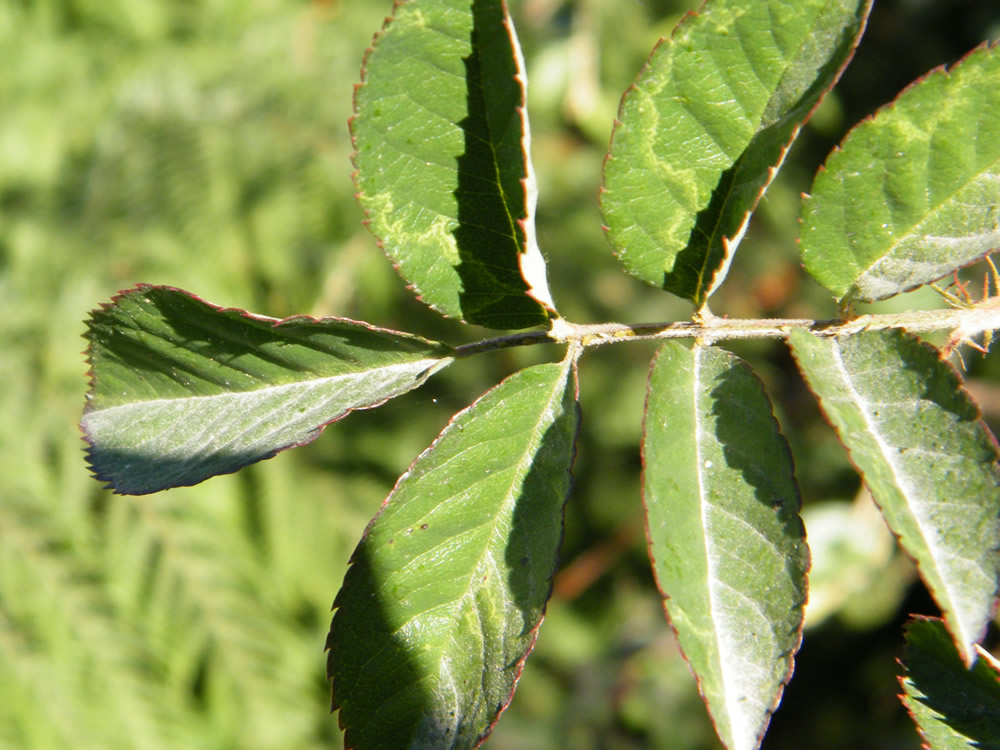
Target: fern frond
{"points": [[82, 675], [197, 587]]}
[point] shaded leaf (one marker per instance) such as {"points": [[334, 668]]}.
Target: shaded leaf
{"points": [[929, 461], [727, 545], [955, 708], [914, 192], [183, 390], [443, 170], [447, 588], [706, 125]]}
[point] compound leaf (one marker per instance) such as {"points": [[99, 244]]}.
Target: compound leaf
{"points": [[955, 707], [929, 461], [442, 156], [446, 590], [914, 192], [182, 390], [726, 542], [706, 125]]}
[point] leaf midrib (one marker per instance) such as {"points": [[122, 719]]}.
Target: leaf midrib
{"points": [[519, 472], [261, 393], [898, 474], [712, 579]]}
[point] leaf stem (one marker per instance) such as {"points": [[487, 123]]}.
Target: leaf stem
{"points": [[969, 320]]}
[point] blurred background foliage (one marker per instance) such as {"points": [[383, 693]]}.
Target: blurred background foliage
{"points": [[203, 144]]}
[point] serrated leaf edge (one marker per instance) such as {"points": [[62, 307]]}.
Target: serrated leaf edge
{"points": [[965, 647], [531, 261], [571, 362], [665, 597], [729, 244], [852, 296], [142, 288]]}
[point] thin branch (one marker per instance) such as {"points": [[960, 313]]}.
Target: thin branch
{"points": [[966, 321]]}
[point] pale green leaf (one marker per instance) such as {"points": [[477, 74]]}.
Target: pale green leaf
{"points": [[955, 707], [706, 125], [856, 571], [447, 588], [914, 192], [443, 169], [183, 390], [727, 545], [929, 461]]}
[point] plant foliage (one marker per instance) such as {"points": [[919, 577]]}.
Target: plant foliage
{"points": [[446, 590], [704, 128], [726, 542], [235, 374], [954, 706]]}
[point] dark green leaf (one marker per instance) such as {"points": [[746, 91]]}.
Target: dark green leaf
{"points": [[955, 708], [727, 544], [707, 124], [443, 169], [183, 390], [929, 461], [914, 192], [447, 588]]}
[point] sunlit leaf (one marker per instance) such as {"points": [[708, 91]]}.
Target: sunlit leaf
{"points": [[443, 169], [727, 544], [706, 125], [929, 461], [447, 588], [914, 192], [955, 707], [183, 390]]}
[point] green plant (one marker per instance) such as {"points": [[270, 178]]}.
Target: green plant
{"points": [[446, 590]]}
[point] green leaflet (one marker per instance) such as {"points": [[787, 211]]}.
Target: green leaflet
{"points": [[706, 125], [914, 192], [445, 592], [182, 390], [955, 707], [928, 460], [727, 545], [443, 169]]}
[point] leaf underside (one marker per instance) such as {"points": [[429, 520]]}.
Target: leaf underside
{"points": [[727, 544], [928, 460], [955, 708], [446, 590], [705, 126], [914, 192], [443, 171], [182, 390]]}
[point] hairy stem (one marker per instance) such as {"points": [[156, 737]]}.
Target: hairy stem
{"points": [[965, 321]]}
